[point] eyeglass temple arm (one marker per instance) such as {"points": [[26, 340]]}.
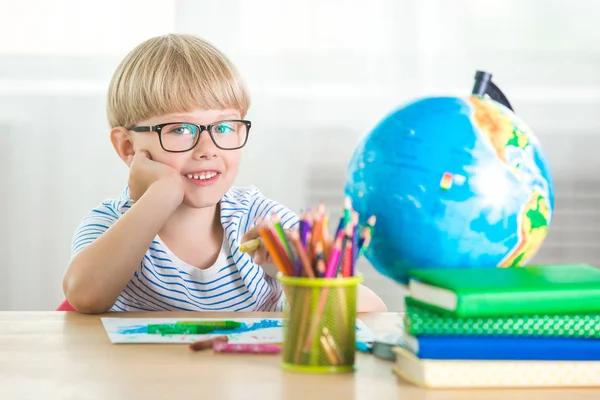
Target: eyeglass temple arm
{"points": [[142, 128]]}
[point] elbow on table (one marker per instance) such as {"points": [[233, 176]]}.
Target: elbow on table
{"points": [[84, 299], [369, 302]]}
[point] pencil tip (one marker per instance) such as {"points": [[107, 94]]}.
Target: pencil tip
{"points": [[347, 203], [319, 247], [321, 208]]}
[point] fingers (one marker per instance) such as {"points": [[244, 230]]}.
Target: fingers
{"points": [[251, 234], [261, 255], [250, 245], [140, 158], [141, 153]]}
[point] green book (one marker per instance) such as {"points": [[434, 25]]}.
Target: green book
{"points": [[482, 292], [419, 321]]}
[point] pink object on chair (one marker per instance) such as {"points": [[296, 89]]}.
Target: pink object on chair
{"points": [[65, 306]]}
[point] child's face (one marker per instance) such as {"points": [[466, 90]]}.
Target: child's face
{"points": [[203, 161]]}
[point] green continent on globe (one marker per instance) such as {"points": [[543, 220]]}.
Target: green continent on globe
{"points": [[518, 139], [501, 132], [533, 228]]}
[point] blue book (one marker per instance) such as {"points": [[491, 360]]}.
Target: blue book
{"points": [[503, 348]]}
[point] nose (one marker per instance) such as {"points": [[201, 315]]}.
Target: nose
{"points": [[205, 148]]}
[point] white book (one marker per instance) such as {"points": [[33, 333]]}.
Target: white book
{"points": [[445, 374]]}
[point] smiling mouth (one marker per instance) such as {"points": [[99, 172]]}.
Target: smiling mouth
{"points": [[202, 176]]}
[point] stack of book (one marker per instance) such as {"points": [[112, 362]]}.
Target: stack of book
{"points": [[535, 326]]}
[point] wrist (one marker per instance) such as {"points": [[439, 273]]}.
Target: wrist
{"points": [[168, 190]]}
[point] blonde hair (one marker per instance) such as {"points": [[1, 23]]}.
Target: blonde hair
{"points": [[173, 73]]}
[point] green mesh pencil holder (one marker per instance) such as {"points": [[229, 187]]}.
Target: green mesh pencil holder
{"points": [[319, 324]]}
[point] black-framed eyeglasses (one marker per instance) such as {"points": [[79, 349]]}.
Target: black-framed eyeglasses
{"points": [[179, 137]]}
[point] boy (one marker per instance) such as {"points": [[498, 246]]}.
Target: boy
{"points": [[176, 108]]}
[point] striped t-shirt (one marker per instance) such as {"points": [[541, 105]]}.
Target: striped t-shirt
{"points": [[164, 282]]}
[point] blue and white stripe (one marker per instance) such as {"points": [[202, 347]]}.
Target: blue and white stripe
{"points": [[163, 282]]}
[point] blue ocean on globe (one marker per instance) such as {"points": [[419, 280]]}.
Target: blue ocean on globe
{"points": [[456, 182]]}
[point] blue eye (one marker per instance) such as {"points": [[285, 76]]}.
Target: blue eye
{"points": [[224, 129], [180, 130]]}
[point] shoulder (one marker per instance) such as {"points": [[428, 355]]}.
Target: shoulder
{"points": [[99, 219], [241, 196], [249, 200], [111, 208]]}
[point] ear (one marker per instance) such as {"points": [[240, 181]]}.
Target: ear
{"points": [[122, 143]]}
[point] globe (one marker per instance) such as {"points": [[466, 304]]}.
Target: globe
{"points": [[454, 182]]}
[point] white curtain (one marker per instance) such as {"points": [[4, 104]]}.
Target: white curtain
{"points": [[322, 73]]}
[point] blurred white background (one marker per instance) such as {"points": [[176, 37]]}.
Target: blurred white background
{"points": [[322, 73]]}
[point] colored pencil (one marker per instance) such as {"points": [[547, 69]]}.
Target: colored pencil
{"points": [[300, 251], [305, 262], [280, 234], [274, 252], [311, 251]]}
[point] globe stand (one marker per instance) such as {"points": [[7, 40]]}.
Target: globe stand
{"points": [[484, 85]]}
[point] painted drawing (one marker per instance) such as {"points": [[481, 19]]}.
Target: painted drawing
{"points": [[172, 330]]}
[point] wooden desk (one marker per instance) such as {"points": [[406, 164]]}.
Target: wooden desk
{"points": [[53, 355]]}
